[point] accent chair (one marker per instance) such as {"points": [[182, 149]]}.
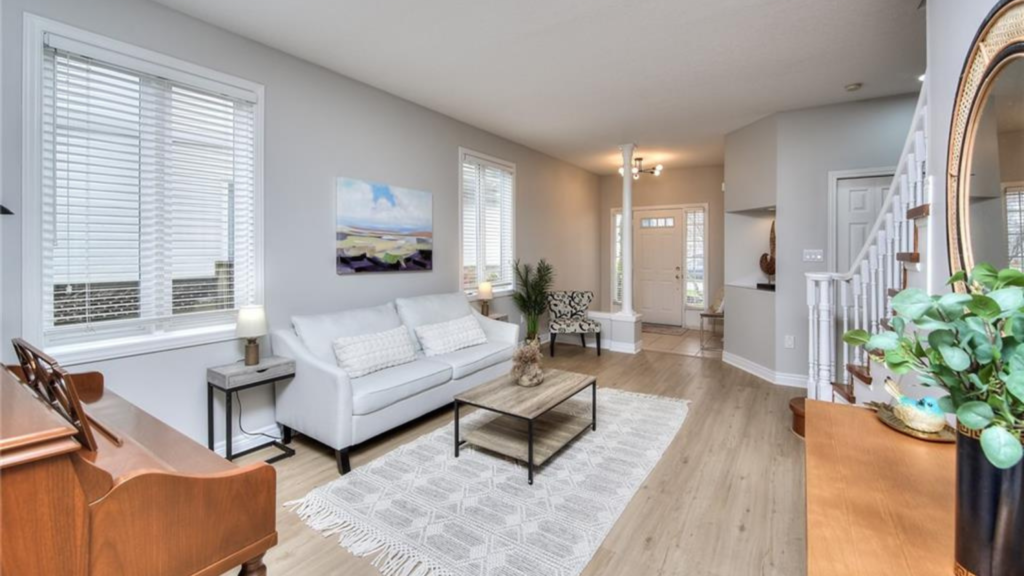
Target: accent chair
{"points": [[568, 315]]}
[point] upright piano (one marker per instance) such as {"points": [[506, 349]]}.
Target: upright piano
{"points": [[147, 500]]}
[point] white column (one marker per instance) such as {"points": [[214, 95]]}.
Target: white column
{"points": [[627, 229]]}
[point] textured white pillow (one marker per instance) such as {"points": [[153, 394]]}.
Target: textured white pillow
{"points": [[445, 337], [362, 355]]}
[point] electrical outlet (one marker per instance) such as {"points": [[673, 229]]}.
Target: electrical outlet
{"points": [[789, 341], [814, 255]]}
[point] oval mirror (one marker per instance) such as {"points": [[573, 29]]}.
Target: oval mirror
{"points": [[986, 155]]}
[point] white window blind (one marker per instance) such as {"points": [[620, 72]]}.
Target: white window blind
{"points": [[617, 263], [488, 190], [148, 201], [1014, 199]]}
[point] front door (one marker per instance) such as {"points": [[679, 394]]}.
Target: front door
{"points": [[858, 201], [659, 265]]}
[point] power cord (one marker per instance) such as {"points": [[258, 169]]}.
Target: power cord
{"points": [[238, 399]]}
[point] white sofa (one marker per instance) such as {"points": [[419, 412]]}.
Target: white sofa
{"points": [[322, 402]]}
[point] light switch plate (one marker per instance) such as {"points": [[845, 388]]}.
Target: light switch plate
{"points": [[789, 342], [814, 255]]}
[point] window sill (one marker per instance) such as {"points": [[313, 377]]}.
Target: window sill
{"points": [[114, 348]]}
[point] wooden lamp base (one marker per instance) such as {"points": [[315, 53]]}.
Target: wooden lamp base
{"points": [[252, 351]]}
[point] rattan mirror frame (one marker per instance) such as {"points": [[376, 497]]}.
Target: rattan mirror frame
{"points": [[999, 41]]}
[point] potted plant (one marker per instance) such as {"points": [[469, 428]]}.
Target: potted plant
{"points": [[972, 346], [531, 296]]}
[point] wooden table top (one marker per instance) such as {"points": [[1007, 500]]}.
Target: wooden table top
{"points": [[505, 396], [878, 502]]}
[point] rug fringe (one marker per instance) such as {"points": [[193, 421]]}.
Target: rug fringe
{"points": [[390, 560]]}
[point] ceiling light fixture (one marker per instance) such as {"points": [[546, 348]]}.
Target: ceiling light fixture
{"points": [[920, 78], [638, 169], [854, 87]]}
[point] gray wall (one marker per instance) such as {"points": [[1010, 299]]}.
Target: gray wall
{"points": [[674, 186], [806, 145], [319, 125], [812, 143], [952, 25], [751, 165]]}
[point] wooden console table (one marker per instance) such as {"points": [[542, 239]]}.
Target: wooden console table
{"points": [[878, 502]]}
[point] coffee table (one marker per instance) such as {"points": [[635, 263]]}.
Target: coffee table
{"points": [[527, 427]]}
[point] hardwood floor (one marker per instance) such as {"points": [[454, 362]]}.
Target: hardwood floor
{"points": [[727, 498]]}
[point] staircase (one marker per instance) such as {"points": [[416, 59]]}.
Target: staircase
{"points": [[860, 297]]}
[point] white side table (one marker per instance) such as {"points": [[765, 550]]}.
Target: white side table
{"points": [[232, 378]]}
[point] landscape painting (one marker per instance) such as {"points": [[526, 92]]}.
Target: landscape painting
{"points": [[382, 228]]}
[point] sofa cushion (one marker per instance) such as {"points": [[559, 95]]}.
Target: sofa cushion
{"points": [[445, 337], [431, 309], [382, 389], [319, 331], [369, 353], [469, 361]]}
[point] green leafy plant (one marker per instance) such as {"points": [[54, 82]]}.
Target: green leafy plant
{"points": [[531, 296], [971, 345]]}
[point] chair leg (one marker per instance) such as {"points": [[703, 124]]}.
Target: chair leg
{"points": [[598, 336], [553, 336], [344, 467], [583, 339], [286, 435]]}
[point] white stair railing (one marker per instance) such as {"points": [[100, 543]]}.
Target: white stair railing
{"points": [[860, 297]]}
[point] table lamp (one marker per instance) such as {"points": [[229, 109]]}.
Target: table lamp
{"points": [[252, 323], [484, 293]]}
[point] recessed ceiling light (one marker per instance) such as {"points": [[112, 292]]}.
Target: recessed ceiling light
{"points": [[854, 87], [920, 78]]}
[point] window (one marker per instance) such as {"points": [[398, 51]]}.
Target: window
{"points": [[147, 208], [695, 258], [487, 201], [1014, 199], [695, 254]]}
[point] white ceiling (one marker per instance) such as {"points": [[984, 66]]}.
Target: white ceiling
{"points": [[575, 78]]}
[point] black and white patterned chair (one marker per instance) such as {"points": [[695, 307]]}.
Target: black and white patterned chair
{"points": [[568, 315]]}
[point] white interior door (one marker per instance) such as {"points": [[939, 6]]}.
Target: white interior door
{"points": [[658, 257], [858, 202]]}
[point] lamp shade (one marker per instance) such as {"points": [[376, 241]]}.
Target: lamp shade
{"points": [[485, 291], [252, 322]]}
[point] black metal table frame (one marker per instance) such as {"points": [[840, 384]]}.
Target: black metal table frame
{"points": [[529, 423], [288, 452]]}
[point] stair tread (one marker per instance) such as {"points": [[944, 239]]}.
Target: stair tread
{"points": [[845, 391], [859, 372], [912, 257], [918, 212]]}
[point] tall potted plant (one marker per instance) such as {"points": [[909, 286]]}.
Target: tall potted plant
{"points": [[972, 346], [531, 296]]}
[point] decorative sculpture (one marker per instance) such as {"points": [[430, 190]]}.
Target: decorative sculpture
{"points": [[526, 369], [768, 260]]}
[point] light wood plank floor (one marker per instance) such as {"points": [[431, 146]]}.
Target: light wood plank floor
{"points": [[727, 498]]}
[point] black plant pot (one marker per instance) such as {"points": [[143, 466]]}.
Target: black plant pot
{"points": [[989, 514]]}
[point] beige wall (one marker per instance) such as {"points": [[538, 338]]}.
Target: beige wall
{"points": [[674, 186]]}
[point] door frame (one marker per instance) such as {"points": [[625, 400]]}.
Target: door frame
{"points": [[834, 176], [611, 267]]}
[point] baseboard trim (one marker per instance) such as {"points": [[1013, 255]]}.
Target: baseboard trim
{"points": [[777, 378], [244, 441], [573, 340]]}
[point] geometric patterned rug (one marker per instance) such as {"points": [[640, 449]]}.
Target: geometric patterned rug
{"points": [[419, 511]]}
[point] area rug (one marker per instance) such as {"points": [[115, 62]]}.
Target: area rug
{"points": [[663, 329], [419, 511]]}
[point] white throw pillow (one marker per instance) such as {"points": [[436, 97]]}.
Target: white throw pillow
{"points": [[445, 337], [362, 355]]}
